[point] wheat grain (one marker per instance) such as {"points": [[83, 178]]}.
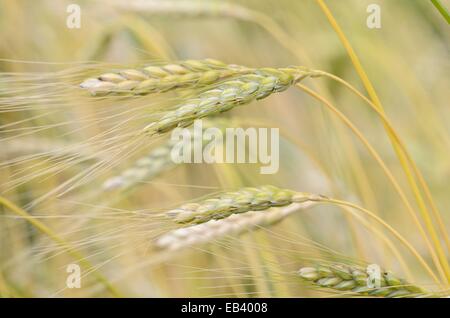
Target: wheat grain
{"points": [[241, 201], [229, 94], [234, 224], [355, 279], [153, 79]]}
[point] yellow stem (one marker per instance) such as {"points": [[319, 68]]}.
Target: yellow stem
{"points": [[273, 28], [416, 170], [385, 169], [403, 161], [369, 226], [387, 226]]}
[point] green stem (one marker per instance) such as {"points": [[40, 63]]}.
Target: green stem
{"points": [[442, 10]]}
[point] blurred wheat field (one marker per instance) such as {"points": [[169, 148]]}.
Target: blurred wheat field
{"points": [[363, 164]]}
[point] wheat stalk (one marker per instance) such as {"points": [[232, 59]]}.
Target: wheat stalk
{"points": [[153, 79], [234, 224], [354, 279], [241, 201], [229, 94]]}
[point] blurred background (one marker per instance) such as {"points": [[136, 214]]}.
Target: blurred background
{"points": [[407, 60]]}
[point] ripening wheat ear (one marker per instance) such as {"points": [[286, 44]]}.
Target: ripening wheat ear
{"points": [[240, 90], [354, 279], [153, 79], [157, 161], [234, 224], [154, 163], [241, 201]]}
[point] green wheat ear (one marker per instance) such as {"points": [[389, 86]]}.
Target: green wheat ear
{"points": [[354, 279], [235, 224], [241, 201], [155, 162], [240, 90], [154, 79]]}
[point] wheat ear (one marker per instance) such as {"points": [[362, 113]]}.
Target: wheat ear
{"points": [[153, 79], [241, 201], [355, 279], [235, 224], [157, 161], [153, 164], [229, 94]]}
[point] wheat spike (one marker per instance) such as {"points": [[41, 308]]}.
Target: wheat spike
{"points": [[235, 224], [229, 94], [153, 79], [154, 163], [241, 201], [353, 278], [157, 161]]}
